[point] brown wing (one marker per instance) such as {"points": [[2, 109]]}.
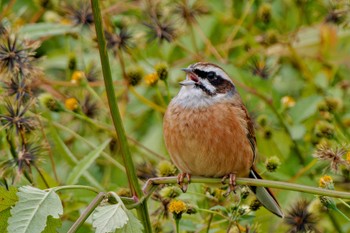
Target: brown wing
{"points": [[251, 132]]}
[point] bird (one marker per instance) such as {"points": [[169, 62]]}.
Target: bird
{"points": [[208, 132]]}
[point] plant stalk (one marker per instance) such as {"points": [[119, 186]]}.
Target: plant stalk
{"points": [[128, 162], [251, 182], [91, 207]]}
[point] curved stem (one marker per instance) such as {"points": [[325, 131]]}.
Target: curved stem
{"points": [[65, 187]]}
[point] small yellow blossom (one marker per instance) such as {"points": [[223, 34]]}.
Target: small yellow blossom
{"points": [[71, 104], [288, 101], [348, 156], [77, 76], [151, 79], [325, 181], [177, 207]]}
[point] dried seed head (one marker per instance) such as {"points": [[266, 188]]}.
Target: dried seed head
{"points": [[300, 219], [333, 156]]}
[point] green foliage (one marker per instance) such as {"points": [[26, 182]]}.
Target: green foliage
{"points": [[289, 61], [85, 163], [33, 208], [8, 198], [115, 218]]}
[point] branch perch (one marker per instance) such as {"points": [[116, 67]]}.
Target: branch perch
{"points": [[148, 187]]}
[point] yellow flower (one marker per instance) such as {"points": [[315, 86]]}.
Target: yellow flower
{"points": [[348, 156], [71, 104], [77, 76], [177, 207], [151, 79], [325, 181], [288, 101]]}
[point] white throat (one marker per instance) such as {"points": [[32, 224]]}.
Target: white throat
{"points": [[191, 97]]}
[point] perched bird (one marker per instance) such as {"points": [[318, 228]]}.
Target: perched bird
{"points": [[208, 132]]}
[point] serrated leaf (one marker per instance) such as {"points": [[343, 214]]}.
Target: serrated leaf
{"points": [[37, 30], [8, 198], [85, 163], [133, 226], [31, 211], [52, 224], [108, 218]]}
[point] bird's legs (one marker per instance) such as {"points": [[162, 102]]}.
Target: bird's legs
{"points": [[231, 183], [180, 180]]}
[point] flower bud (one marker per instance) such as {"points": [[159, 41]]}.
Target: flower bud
{"points": [[134, 76], [162, 70], [50, 102], [170, 192], [272, 163], [166, 168], [255, 205]]}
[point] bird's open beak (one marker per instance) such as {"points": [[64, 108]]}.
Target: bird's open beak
{"points": [[192, 77]]}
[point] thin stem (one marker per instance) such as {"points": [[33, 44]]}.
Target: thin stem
{"points": [[252, 182], [146, 101], [209, 222], [167, 91], [344, 203], [65, 187], [210, 45], [124, 147], [160, 96], [91, 207], [278, 115], [41, 176], [237, 27]]}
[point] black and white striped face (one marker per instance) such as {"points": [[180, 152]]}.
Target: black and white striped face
{"points": [[205, 85], [209, 78]]}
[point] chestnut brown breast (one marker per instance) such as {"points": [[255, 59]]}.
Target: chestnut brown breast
{"points": [[210, 141]]}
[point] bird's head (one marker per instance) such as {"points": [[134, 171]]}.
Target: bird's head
{"points": [[205, 84]]}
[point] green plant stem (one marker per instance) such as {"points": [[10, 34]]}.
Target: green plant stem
{"points": [[334, 222], [167, 91], [65, 187], [278, 115], [209, 222], [146, 101], [91, 207], [128, 162], [344, 203], [251, 182]]}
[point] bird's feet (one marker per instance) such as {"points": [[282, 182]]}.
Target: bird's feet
{"points": [[180, 180], [231, 184]]}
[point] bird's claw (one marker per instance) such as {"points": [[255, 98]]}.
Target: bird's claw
{"points": [[232, 183], [180, 181]]}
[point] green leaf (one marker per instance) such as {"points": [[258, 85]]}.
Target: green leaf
{"points": [[30, 213], [52, 224], [8, 198], [133, 226], [85, 163], [305, 108], [109, 217], [69, 157], [35, 31]]}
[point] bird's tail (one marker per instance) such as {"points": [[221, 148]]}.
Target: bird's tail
{"points": [[265, 196]]}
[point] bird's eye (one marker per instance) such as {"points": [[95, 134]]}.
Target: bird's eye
{"points": [[211, 76]]}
